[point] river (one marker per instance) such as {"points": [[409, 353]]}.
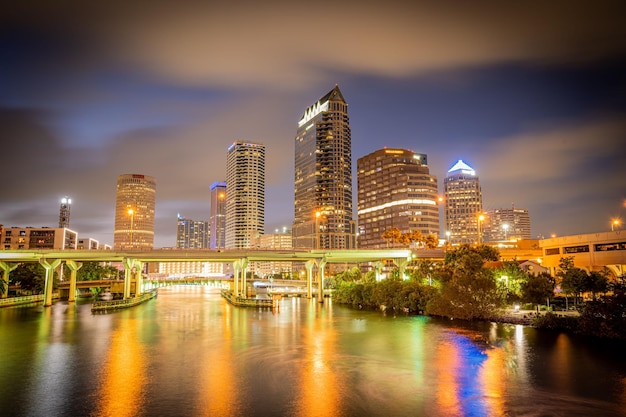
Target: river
{"points": [[190, 353]]}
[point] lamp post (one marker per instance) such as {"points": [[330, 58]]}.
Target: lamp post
{"points": [[481, 217], [505, 227], [614, 223], [131, 213]]}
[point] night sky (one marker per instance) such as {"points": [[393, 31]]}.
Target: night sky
{"points": [[532, 96]]}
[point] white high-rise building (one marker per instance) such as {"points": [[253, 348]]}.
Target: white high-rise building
{"points": [[245, 194], [463, 205]]}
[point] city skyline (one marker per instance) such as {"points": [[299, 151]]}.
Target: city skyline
{"points": [[532, 96]]}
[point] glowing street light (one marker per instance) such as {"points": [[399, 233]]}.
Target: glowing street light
{"points": [[317, 229], [505, 227], [615, 223], [481, 218]]}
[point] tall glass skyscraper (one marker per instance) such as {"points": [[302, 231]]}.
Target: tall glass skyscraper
{"points": [[395, 190], [217, 217], [323, 176], [134, 212], [245, 194], [192, 234], [463, 205]]}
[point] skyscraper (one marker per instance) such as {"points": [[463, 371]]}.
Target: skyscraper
{"points": [[245, 193], [463, 204], [217, 217], [134, 212], [192, 234], [395, 190], [64, 212], [323, 176]]}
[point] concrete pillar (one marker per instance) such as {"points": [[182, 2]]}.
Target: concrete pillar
{"points": [[74, 267], [236, 269], [244, 270], [320, 291], [129, 264], [309, 277], [401, 263], [4, 285], [139, 278], [378, 268], [49, 267]]}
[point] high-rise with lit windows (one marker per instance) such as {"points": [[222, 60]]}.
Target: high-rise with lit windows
{"points": [[323, 176], [192, 234], [395, 190], [463, 204], [217, 218], [245, 194], [64, 212], [135, 200], [506, 224]]}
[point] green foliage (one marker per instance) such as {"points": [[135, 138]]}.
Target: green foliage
{"points": [[538, 288], [551, 321], [29, 276], [393, 294]]}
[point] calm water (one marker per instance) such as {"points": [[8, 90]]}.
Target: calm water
{"points": [[189, 353]]}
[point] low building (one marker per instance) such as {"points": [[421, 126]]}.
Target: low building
{"points": [[59, 238], [591, 252]]}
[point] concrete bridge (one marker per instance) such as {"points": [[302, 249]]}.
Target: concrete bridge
{"points": [[134, 261]]}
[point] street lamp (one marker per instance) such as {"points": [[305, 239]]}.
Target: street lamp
{"points": [[131, 213], [505, 227], [614, 223], [481, 217]]}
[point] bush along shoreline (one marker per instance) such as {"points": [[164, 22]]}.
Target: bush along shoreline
{"points": [[462, 288]]}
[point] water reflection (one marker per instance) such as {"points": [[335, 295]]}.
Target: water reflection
{"points": [[190, 353], [124, 375]]}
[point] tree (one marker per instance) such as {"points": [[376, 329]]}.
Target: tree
{"points": [[431, 241], [29, 276], [537, 289], [391, 235], [597, 283]]}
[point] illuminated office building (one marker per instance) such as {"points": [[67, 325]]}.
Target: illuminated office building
{"points": [[217, 217], [463, 204], [134, 212], [395, 190], [245, 194], [323, 176], [506, 224], [192, 234]]}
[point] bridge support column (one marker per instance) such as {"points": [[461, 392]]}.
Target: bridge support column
{"points": [[74, 267], [378, 268], [138, 278], [244, 271], [401, 263], [320, 291], [309, 278], [130, 270], [236, 269], [4, 285], [49, 267]]}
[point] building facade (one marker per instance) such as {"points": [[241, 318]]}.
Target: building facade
{"points": [[60, 238], [395, 190], [192, 234], [274, 241], [217, 217], [323, 176], [506, 224], [602, 251], [135, 200], [463, 205], [245, 194]]}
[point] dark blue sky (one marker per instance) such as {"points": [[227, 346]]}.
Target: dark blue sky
{"points": [[532, 96]]}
